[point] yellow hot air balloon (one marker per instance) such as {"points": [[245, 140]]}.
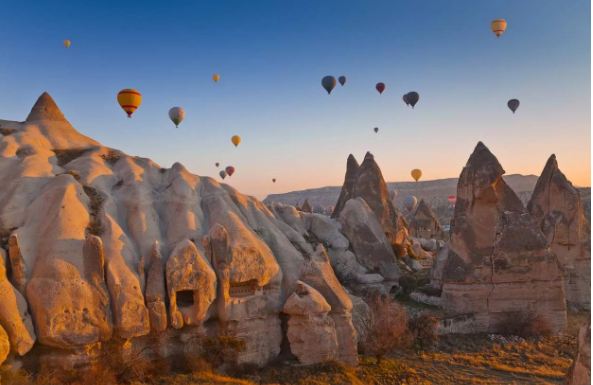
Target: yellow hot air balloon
{"points": [[216, 78], [129, 99], [67, 43], [498, 26], [416, 174], [236, 139]]}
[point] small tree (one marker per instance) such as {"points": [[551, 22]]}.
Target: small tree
{"points": [[424, 331], [386, 326]]}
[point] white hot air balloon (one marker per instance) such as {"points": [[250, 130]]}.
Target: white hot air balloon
{"points": [[177, 114]]}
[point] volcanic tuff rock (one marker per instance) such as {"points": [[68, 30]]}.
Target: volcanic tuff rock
{"points": [[106, 246], [311, 332], [580, 373], [498, 263], [556, 205], [424, 223], [366, 182]]}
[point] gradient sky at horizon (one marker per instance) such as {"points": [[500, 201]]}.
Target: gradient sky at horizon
{"points": [[272, 55]]}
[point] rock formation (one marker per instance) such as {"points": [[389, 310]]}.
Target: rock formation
{"points": [[370, 244], [311, 331], [580, 373], [498, 263], [306, 207], [106, 246], [424, 223], [366, 182], [557, 208]]}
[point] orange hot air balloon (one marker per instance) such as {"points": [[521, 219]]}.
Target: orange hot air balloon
{"points": [[230, 170], [236, 139], [498, 26], [416, 174], [216, 78], [129, 99]]}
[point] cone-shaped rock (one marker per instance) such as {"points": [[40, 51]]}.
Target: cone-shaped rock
{"points": [[46, 109], [556, 206], [424, 223], [352, 167], [498, 267]]}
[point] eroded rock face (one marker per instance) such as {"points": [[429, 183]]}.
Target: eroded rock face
{"points": [[371, 246], [498, 261], [191, 284], [556, 206], [311, 331], [4, 345], [424, 223], [580, 373], [109, 246], [14, 315], [319, 274]]}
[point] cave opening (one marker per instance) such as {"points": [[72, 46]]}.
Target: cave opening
{"points": [[185, 298]]}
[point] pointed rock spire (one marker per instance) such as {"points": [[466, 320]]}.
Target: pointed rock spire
{"points": [[352, 167], [46, 109]]}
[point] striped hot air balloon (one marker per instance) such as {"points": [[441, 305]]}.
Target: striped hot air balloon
{"points": [[129, 99]]}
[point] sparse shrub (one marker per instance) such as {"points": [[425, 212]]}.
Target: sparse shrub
{"points": [[386, 327], [524, 324], [423, 329], [213, 352]]}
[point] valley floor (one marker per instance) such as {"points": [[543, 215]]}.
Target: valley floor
{"points": [[472, 360]]}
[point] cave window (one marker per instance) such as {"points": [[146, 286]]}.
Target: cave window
{"points": [[185, 298]]}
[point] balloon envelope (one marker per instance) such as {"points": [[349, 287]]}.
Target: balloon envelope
{"points": [[236, 139], [380, 87], [177, 114], [216, 78], [411, 98], [498, 26], [274, 180], [222, 174], [217, 164], [416, 174], [129, 99], [410, 202], [452, 199], [329, 83], [376, 129], [513, 104], [67, 43], [230, 170], [342, 80]]}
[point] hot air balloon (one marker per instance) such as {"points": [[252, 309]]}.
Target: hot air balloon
{"points": [[380, 87], [376, 129], [513, 104], [222, 174], [452, 199], [177, 114], [217, 164], [411, 98], [342, 80], [498, 26], [328, 82], [129, 99], [416, 174], [410, 202], [236, 139], [230, 170], [273, 180], [216, 78], [67, 43]]}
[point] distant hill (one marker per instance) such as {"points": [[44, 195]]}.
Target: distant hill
{"points": [[433, 191]]}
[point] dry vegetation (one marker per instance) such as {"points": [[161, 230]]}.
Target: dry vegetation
{"points": [[453, 360]]}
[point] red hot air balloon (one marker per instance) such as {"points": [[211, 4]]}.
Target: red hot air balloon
{"points": [[380, 87], [230, 170], [452, 199]]}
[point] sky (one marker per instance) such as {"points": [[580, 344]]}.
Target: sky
{"points": [[271, 56]]}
